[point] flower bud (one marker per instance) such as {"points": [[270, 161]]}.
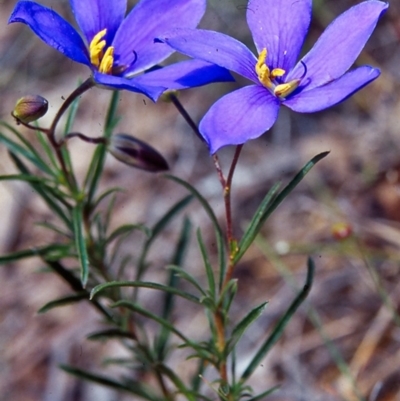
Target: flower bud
{"points": [[30, 108], [136, 153]]}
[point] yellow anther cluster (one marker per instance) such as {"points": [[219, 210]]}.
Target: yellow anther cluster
{"points": [[107, 61], [267, 77], [262, 70], [103, 61]]}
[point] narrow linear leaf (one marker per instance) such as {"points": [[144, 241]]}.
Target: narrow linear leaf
{"points": [[218, 231], [80, 243], [34, 158], [42, 182], [243, 325], [196, 378], [207, 265], [138, 309], [20, 136], [132, 387], [180, 385], [127, 229], [171, 213], [28, 253], [104, 196], [173, 281], [260, 220], [96, 166], [64, 301], [188, 277], [29, 148], [256, 222], [109, 334], [143, 284], [76, 285], [157, 229], [41, 190], [56, 229], [65, 153], [261, 396], [44, 142], [280, 326]]}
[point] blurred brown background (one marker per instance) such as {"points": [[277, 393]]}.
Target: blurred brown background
{"points": [[356, 293]]}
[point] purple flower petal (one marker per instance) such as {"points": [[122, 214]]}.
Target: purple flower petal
{"points": [[215, 48], [239, 116], [185, 74], [280, 27], [111, 81], [134, 41], [340, 44], [93, 16], [52, 29], [320, 98]]}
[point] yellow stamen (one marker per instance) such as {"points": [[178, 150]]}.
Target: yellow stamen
{"points": [[267, 78], [107, 61], [96, 48], [277, 72], [284, 90], [263, 71]]}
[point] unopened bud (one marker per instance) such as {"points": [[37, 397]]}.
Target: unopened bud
{"points": [[30, 108], [136, 153]]}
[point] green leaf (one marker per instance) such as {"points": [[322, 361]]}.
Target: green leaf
{"points": [[173, 280], [261, 396], [196, 378], [110, 334], [54, 228], [134, 307], [40, 251], [44, 183], [256, 222], [104, 195], [65, 153], [189, 394], [30, 148], [64, 301], [131, 387], [76, 285], [207, 265], [48, 149], [127, 229], [188, 277], [44, 191], [218, 232], [280, 326], [80, 243], [267, 207], [143, 284], [243, 325], [156, 230], [34, 158], [96, 166]]}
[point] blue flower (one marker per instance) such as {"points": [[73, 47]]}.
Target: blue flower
{"points": [[117, 48], [319, 80]]}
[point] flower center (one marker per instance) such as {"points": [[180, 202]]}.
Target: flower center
{"points": [[102, 60], [268, 78]]}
